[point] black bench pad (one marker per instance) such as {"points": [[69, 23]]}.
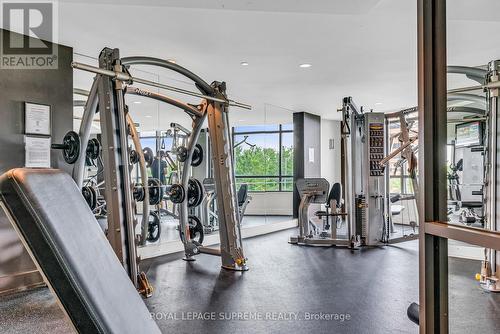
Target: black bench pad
{"points": [[68, 246]]}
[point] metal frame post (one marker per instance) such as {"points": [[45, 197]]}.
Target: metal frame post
{"points": [[493, 95], [432, 155], [227, 206], [115, 157]]}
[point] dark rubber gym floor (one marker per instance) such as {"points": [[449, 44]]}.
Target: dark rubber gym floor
{"points": [[371, 287]]}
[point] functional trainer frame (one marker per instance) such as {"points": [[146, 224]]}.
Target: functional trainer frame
{"points": [[111, 82]]}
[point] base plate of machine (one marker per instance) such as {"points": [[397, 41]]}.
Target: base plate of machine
{"points": [[318, 241], [237, 268], [489, 288]]}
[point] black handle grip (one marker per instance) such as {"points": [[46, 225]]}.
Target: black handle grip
{"points": [[59, 146]]}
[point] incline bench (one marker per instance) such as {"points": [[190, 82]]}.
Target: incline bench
{"points": [[66, 243]]}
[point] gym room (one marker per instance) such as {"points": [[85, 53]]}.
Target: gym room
{"points": [[249, 166]]}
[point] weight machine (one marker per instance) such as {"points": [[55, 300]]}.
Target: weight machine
{"points": [[112, 81], [359, 199], [363, 148]]}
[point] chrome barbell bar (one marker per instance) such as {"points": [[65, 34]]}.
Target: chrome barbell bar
{"points": [[128, 78]]}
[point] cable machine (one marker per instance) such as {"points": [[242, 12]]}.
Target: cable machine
{"points": [[112, 81]]}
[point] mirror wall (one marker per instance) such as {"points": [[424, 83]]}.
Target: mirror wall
{"points": [[263, 152]]}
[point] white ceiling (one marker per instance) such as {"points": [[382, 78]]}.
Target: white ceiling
{"points": [[362, 48]]}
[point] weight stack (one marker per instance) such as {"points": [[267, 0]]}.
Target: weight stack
{"points": [[361, 216]]}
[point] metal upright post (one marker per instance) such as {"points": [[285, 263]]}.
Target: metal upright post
{"points": [[190, 248], [115, 156], [227, 206], [493, 224], [84, 132], [432, 156]]}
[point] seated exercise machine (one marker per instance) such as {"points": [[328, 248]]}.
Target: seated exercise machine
{"points": [[243, 199], [316, 191], [359, 199], [71, 252], [207, 211]]}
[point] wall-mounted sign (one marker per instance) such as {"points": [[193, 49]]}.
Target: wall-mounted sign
{"points": [[37, 151], [311, 154], [36, 119]]}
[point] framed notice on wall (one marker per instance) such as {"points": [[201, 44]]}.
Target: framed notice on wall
{"points": [[37, 151], [36, 119]]}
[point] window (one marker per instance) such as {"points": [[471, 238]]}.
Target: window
{"points": [[264, 157]]}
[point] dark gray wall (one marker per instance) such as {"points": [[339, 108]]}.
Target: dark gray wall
{"points": [[52, 87], [55, 88], [306, 135]]}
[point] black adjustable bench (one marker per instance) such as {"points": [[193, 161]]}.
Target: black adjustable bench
{"points": [[70, 250]]}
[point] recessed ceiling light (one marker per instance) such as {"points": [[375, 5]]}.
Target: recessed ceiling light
{"points": [[305, 65], [378, 103], [137, 102], [172, 61], [244, 63], [148, 116]]}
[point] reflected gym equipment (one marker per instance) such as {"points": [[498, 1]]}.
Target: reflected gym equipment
{"points": [[197, 156], [195, 192], [148, 156], [138, 192], [154, 227], [93, 151], [155, 191], [90, 195], [112, 81], [196, 231], [134, 157]]}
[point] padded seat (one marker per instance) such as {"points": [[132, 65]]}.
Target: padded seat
{"points": [[242, 194], [68, 246]]}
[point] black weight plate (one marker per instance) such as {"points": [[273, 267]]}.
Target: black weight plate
{"points": [[154, 227], [148, 156], [72, 150], [195, 191], [181, 153], [155, 191], [134, 157], [197, 156], [177, 193], [138, 192], [93, 149], [90, 196], [196, 231], [200, 193]]}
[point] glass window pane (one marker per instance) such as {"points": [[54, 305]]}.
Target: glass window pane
{"points": [[256, 154], [287, 154], [166, 145], [287, 184], [259, 184], [149, 142], [287, 127], [257, 128], [395, 185]]}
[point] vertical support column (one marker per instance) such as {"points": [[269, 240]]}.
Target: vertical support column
{"points": [[115, 158], [227, 206], [493, 77], [190, 248], [433, 256], [84, 132]]}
